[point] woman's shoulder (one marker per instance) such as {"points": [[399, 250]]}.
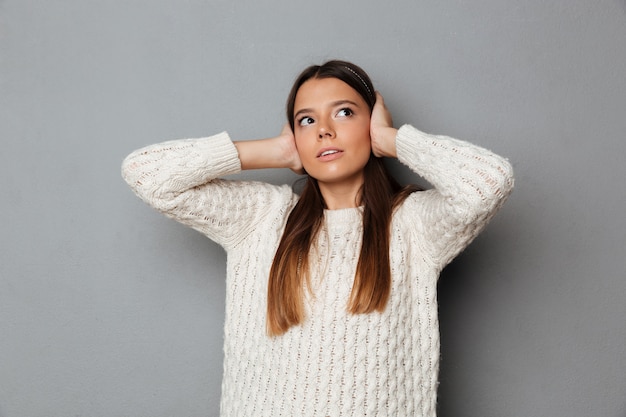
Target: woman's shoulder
{"points": [[413, 215]]}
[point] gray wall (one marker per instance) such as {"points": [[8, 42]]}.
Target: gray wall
{"points": [[109, 309]]}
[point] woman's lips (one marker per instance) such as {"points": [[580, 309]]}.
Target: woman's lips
{"points": [[329, 154]]}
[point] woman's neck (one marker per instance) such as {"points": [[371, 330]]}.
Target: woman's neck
{"points": [[341, 196]]}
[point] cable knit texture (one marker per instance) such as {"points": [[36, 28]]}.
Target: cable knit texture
{"points": [[334, 363]]}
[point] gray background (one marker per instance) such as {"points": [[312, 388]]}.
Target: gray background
{"points": [[109, 309]]}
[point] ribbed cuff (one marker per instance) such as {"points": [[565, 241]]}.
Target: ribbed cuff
{"points": [[223, 153]]}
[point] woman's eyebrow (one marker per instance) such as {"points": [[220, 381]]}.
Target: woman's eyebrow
{"points": [[295, 116], [333, 104], [342, 102]]}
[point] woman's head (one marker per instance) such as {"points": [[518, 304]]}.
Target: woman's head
{"points": [[349, 73], [329, 110], [379, 193]]}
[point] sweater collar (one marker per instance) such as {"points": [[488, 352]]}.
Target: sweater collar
{"points": [[343, 216]]}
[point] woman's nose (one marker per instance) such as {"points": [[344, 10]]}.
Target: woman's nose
{"points": [[325, 131]]}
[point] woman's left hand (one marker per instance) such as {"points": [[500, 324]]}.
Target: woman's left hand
{"points": [[382, 132]]}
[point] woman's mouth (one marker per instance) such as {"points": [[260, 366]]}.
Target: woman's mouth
{"points": [[329, 154]]}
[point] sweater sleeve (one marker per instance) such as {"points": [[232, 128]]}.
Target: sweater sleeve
{"points": [[180, 178], [470, 185]]}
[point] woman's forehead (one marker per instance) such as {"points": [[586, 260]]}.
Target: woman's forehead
{"points": [[321, 91]]}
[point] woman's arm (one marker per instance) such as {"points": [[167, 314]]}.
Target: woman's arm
{"points": [[180, 179], [470, 183], [276, 152]]}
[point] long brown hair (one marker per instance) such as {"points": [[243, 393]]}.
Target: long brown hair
{"points": [[380, 194]]}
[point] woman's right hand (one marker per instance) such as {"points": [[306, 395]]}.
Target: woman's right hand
{"points": [[290, 153]]}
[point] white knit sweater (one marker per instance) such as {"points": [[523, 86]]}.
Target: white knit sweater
{"points": [[334, 363]]}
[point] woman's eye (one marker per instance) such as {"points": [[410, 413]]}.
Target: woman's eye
{"points": [[305, 121], [345, 112]]}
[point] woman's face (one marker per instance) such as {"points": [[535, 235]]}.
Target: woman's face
{"points": [[332, 131]]}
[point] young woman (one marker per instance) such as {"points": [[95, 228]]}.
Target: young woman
{"points": [[331, 305]]}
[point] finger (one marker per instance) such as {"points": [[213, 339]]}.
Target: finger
{"points": [[379, 98]]}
